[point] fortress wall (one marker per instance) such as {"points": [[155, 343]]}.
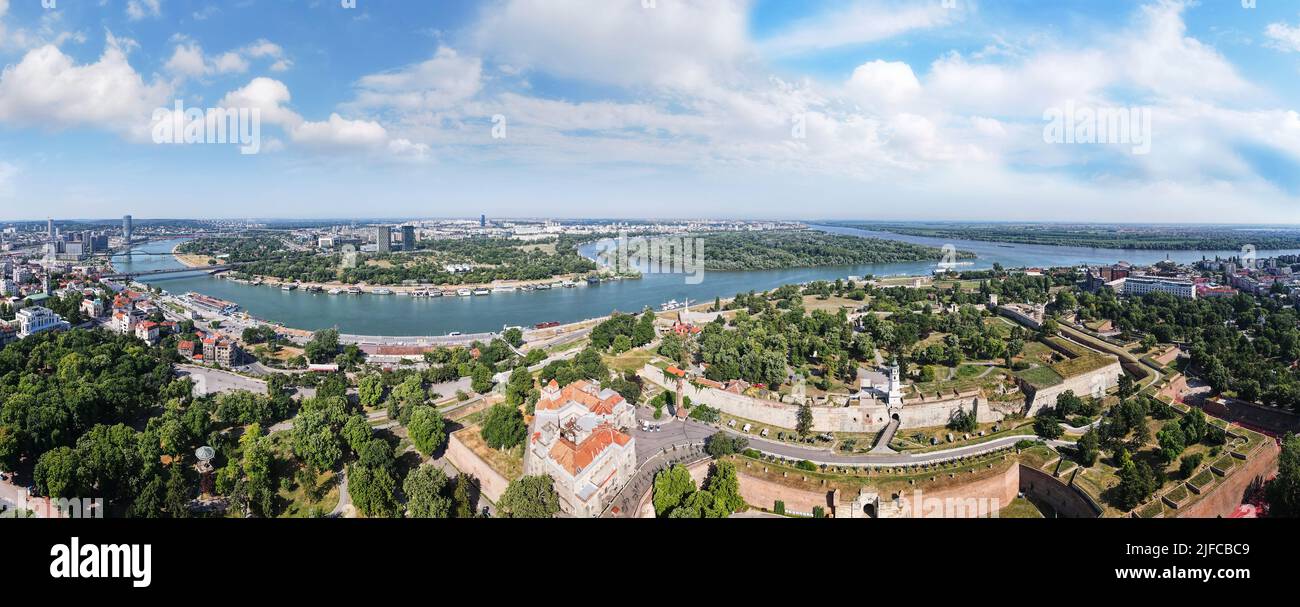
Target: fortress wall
{"points": [[491, 483], [863, 418], [1064, 499], [1225, 496], [1082, 385]]}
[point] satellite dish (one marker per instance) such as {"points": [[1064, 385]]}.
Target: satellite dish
{"points": [[205, 453]]}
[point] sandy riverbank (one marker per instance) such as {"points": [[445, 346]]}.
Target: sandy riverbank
{"points": [[191, 261]]}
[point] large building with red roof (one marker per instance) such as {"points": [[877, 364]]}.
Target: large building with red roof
{"points": [[579, 437]]}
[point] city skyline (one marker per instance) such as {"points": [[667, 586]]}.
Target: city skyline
{"points": [[843, 110]]}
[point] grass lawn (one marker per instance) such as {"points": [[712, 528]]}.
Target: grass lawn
{"points": [[509, 464], [1040, 377], [632, 360], [831, 304], [1020, 508]]}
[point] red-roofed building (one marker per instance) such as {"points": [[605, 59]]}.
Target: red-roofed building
{"points": [[147, 331], [579, 437]]}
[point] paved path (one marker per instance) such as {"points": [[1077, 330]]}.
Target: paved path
{"points": [[214, 381], [882, 443]]}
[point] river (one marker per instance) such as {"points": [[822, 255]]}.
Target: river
{"points": [[396, 315]]}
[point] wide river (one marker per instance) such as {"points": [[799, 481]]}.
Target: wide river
{"points": [[396, 315]]}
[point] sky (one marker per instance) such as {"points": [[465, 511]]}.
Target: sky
{"points": [[842, 109]]}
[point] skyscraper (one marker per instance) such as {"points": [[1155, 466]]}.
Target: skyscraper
{"points": [[126, 229], [383, 239], [482, 220], [408, 238], [49, 228]]}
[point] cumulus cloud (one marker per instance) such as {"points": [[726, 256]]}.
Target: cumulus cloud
{"points": [[48, 89], [189, 61], [271, 98]]}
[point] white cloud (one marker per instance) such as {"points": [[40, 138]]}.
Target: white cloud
{"points": [[1283, 37], [140, 9], [441, 82], [47, 89], [676, 44], [877, 84], [189, 61], [271, 98]]}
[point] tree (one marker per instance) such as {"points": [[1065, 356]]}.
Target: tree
{"points": [[56, 473], [804, 422], [10, 447], [177, 500], [1048, 427], [1089, 447], [357, 432], [481, 379], [722, 444], [725, 487], [323, 347], [1172, 442], [622, 344], [529, 497], [371, 482], [424, 488], [1126, 386], [1194, 426], [513, 336], [503, 427], [462, 498], [518, 386], [671, 488], [1136, 483], [1188, 464], [963, 421], [1284, 490], [427, 429], [370, 390]]}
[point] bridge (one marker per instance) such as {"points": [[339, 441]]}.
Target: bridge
{"points": [[205, 269]]}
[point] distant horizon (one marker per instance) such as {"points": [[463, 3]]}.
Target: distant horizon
{"points": [[539, 218], [974, 111]]}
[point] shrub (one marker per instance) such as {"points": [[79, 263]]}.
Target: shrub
{"points": [[806, 465], [778, 507]]}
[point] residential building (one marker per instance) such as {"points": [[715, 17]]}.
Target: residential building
{"points": [[92, 308], [408, 238], [579, 438], [383, 240], [147, 331], [36, 319], [219, 350], [123, 322]]}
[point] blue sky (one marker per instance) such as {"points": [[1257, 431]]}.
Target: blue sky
{"points": [[868, 109]]}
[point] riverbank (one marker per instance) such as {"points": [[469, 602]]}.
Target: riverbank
{"points": [[554, 282], [191, 261]]}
